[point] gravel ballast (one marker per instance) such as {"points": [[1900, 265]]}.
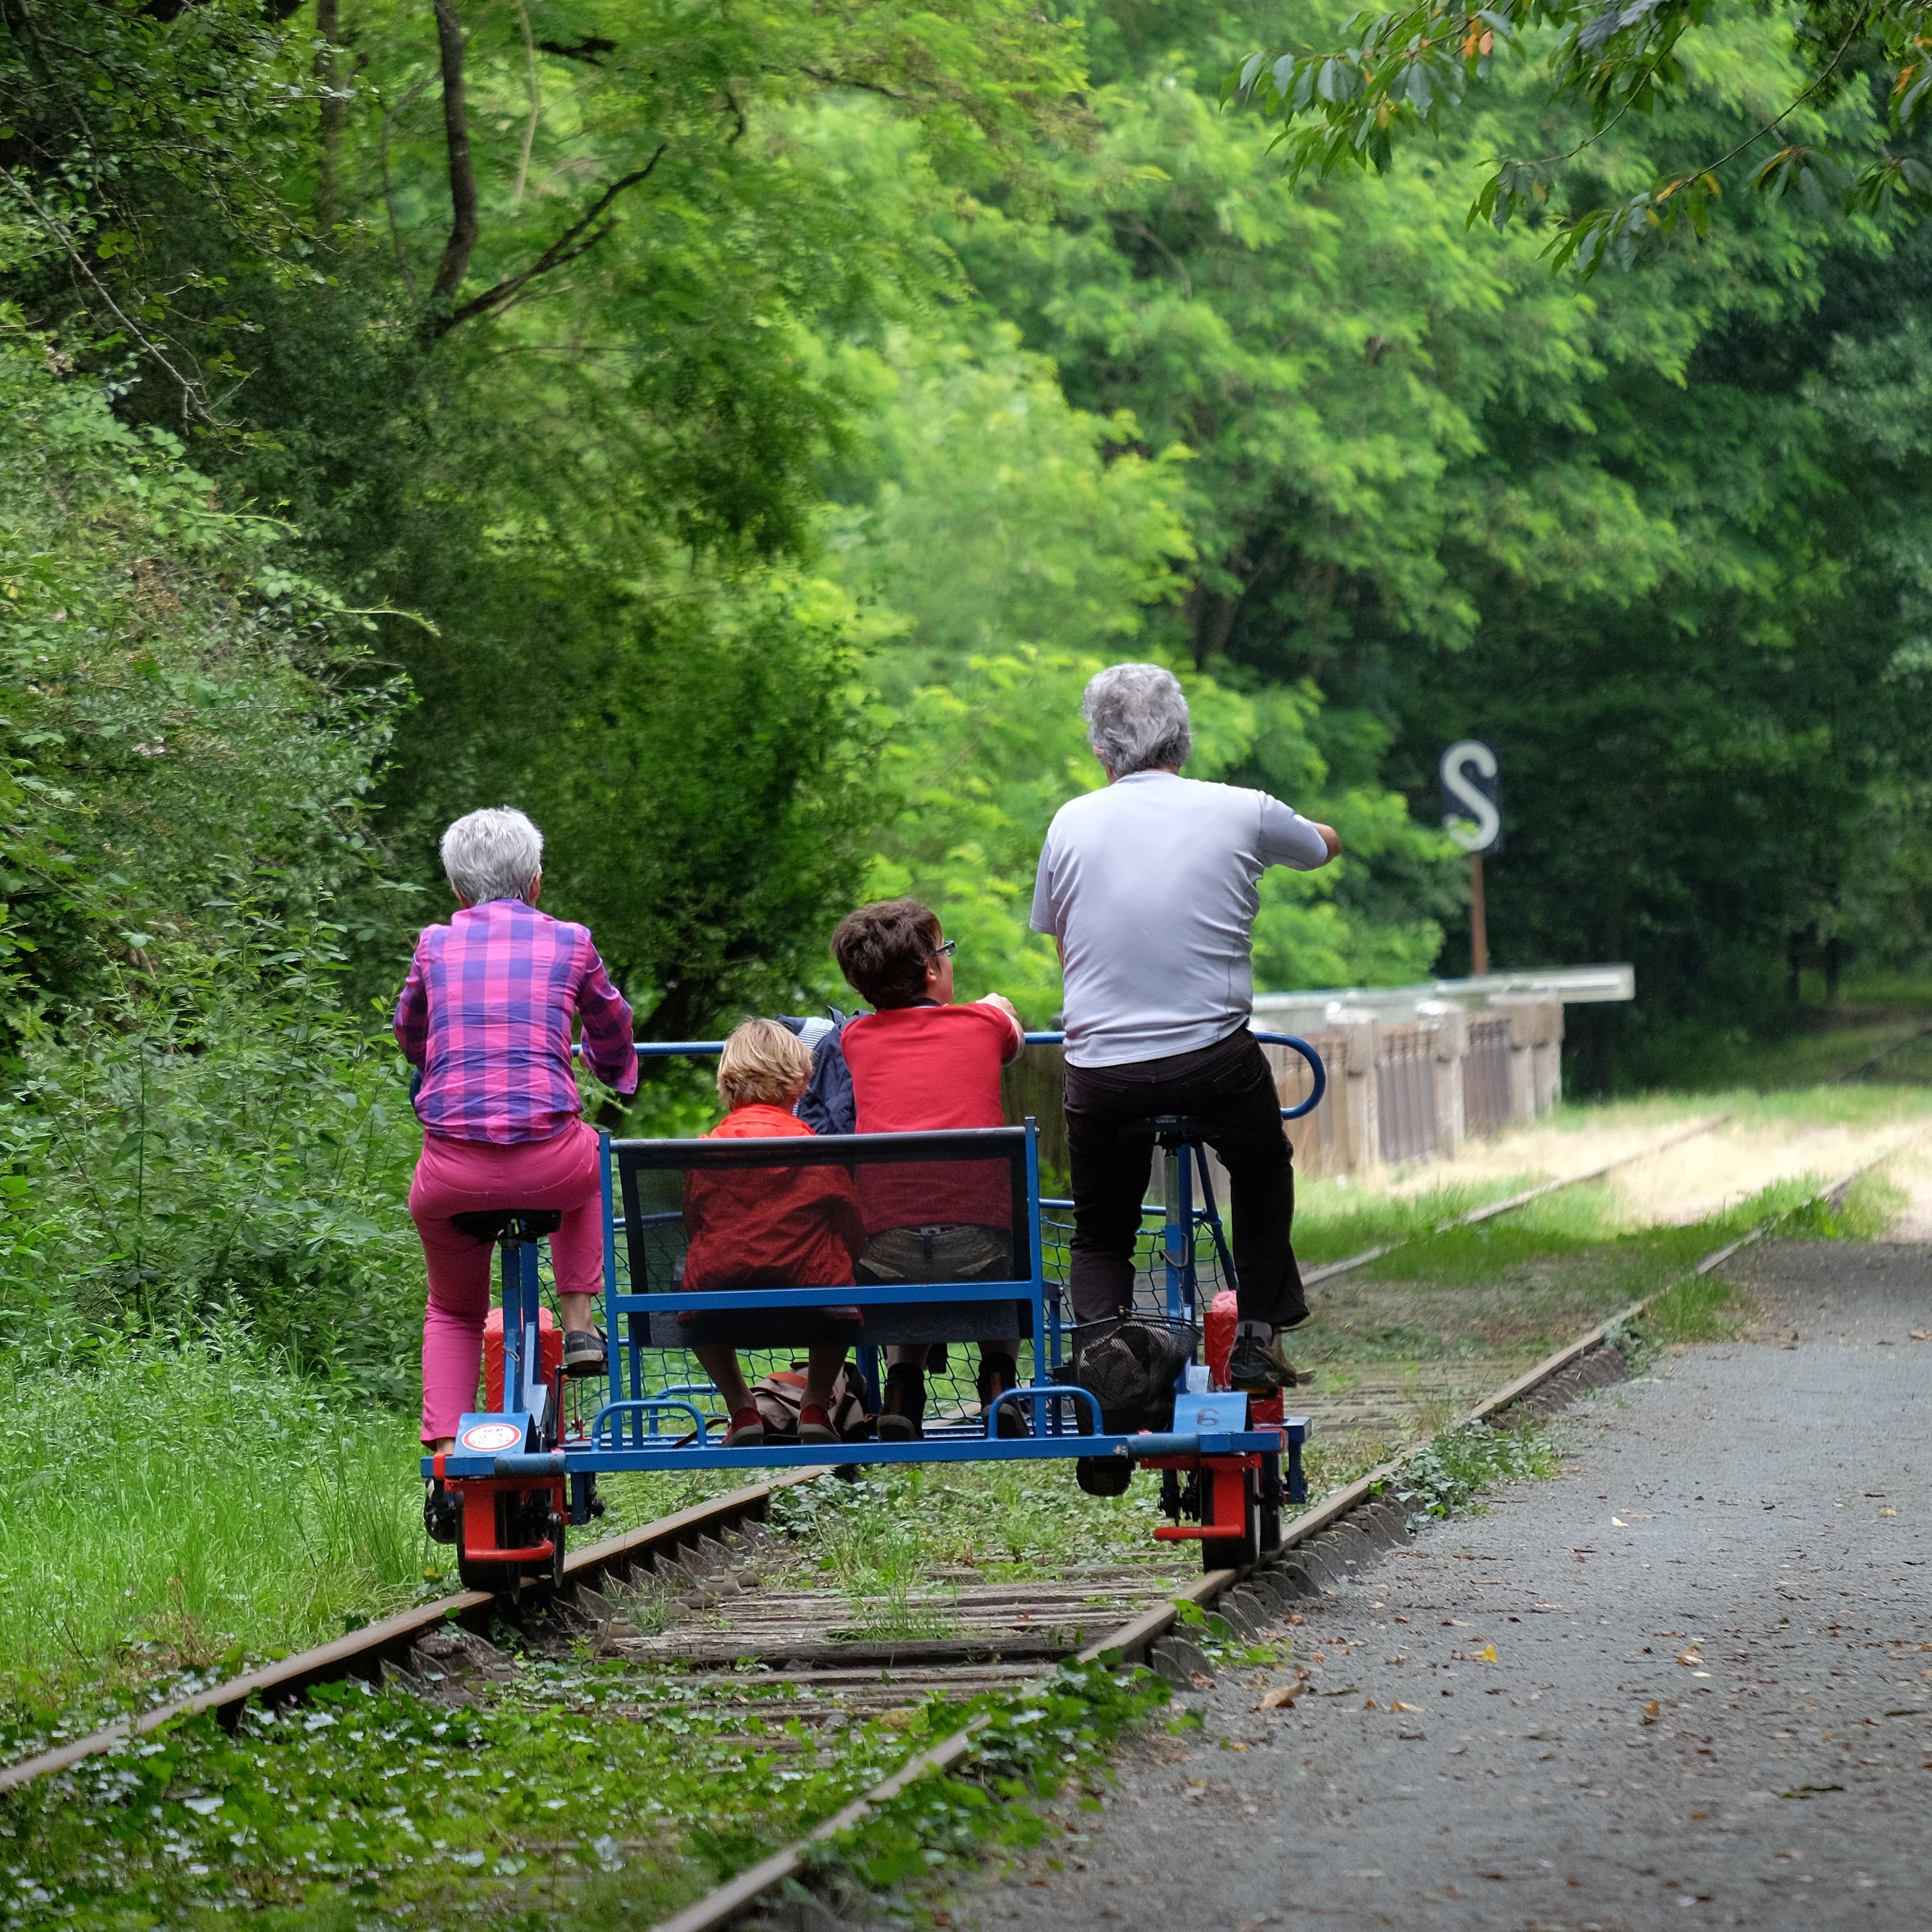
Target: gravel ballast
{"points": [[1688, 1681]]}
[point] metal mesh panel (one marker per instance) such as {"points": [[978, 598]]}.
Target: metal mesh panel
{"points": [[951, 1389], [1056, 1234]]}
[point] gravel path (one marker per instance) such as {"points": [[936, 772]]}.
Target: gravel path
{"points": [[1710, 1701]]}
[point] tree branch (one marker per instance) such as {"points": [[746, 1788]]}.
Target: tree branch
{"points": [[193, 400], [566, 248], [463, 226], [389, 191], [536, 106], [825, 79]]}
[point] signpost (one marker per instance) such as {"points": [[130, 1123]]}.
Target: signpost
{"points": [[1472, 815]]}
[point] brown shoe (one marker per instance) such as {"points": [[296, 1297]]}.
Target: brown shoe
{"points": [[1260, 1368]]}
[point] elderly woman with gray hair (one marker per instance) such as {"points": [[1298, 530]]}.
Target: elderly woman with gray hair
{"points": [[485, 1015], [1150, 887]]}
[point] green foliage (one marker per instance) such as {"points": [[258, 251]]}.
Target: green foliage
{"points": [[1700, 1308], [1030, 1747], [1346, 101], [218, 1508], [125, 131], [194, 1121], [553, 1801], [1446, 1477]]}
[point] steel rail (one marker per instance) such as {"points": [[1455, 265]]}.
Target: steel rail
{"points": [[1130, 1643], [1310, 1277], [362, 1653]]}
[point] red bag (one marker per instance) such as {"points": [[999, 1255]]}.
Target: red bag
{"points": [[550, 1348], [1218, 1332]]}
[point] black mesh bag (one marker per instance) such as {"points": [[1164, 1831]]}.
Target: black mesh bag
{"points": [[1130, 1364]]}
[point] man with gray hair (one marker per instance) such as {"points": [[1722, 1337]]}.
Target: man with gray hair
{"points": [[1150, 887]]}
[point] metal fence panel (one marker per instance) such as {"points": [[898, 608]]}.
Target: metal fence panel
{"points": [[1486, 1076], [1405, 1095]]}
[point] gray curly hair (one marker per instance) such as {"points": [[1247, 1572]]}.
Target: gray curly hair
{"points": [[495, 854], [1137, 718]]}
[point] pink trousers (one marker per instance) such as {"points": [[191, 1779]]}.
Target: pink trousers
{"points": [[461, 1178]]}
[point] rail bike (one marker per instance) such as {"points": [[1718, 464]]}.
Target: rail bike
{"points": [[524, 1469]]}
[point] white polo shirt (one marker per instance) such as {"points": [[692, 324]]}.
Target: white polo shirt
{"points": [[1151, 887]]}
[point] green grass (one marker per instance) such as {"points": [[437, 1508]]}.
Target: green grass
{"points": [[1334, 1219], [174, 1508], [185, 1508], [879, 1539], [1700, 1308]]}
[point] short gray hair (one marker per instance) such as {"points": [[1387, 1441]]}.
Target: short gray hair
{"points": [[495, 854], [1136, 717]]}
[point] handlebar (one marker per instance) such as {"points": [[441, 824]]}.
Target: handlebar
{"points": [[672, 1049]]}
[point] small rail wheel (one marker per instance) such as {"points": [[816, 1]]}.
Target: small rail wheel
{"points": [[1242, 1552]]}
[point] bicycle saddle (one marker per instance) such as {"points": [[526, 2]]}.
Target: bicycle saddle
{"points": [[494, 1224], [1171, 1130]]}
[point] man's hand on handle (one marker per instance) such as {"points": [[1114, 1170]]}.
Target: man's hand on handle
{"points": [[1330, 838]]}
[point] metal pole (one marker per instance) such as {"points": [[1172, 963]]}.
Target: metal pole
{"points": [[1479, 923]]}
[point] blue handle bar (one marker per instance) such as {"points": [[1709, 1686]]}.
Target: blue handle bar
{"points": [[1314, 1067], [669, 1049]]}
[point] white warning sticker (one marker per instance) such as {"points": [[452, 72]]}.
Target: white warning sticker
{"points": [[486, 1438]]}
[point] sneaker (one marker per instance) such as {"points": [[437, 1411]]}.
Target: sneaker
{"points": [[583, 1352], [815, 1425], [1260, 1368], [442, 1514], [902, 1419], [747, 1430]]}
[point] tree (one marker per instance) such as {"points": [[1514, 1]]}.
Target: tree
{"points": [[1345, 101]]}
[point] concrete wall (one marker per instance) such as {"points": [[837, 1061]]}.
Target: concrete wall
{"points": [[1396, 1093]]}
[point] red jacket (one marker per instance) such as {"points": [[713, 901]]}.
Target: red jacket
{"points": [[917, 1068], [768, 1227]]}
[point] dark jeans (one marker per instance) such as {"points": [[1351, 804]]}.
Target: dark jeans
{"points": [[1230, 1086]]}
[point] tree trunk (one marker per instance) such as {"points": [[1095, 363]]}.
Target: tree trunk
{"points": [[1835, 966], [333, 117], [463, 225], [1211, 616]]}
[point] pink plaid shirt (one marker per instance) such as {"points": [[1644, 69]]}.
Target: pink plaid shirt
{"points": [[485, 1013]]}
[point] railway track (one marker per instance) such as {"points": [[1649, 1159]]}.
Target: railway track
{"points": [[710, 1601]]}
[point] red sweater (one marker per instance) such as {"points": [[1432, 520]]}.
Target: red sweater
{"points": [[768, 1227], [917, 1068]]}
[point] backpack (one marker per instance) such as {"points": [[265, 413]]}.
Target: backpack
{"points": [[827, 1106], [780, 1396], [1129, 1366]]}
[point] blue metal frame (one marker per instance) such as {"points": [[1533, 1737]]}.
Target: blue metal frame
{"points": [[1055, 1406], [673, 1049]]}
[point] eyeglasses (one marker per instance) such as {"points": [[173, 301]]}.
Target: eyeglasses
{"points": [[945, 949]]}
